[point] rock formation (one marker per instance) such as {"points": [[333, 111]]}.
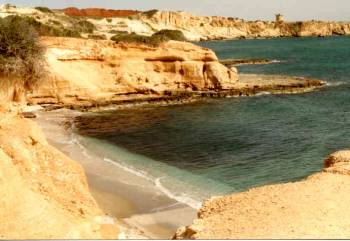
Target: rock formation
{"points": [[43, 194], [215, 28], [98, 12], [315, 208], [96, 71], [109, 22]]}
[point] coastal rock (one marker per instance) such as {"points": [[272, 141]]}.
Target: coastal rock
{"points": [[198, 28], [315, 208], [98, 12], [43, 194], [90, 71]]}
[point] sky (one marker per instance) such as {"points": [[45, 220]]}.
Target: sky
{"points": [[246, 9]]}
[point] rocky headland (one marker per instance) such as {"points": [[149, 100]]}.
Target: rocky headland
{"points": [[109, 22], [315, 208], [45, 194], [84, 74], [198, 28]]}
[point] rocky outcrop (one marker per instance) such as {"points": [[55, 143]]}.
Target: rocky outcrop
{"points": [[109, 22], [43, 194], [98, 12], [215, 28], [84, 74], [315, 208], [89, 71]]}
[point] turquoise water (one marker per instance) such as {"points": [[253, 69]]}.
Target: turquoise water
{"points": [[220, 146]]}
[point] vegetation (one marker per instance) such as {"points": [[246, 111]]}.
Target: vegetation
{"points": [[21, 56], [85, 26], [113, 31], [97, 36], [150, 13], [109, 20], [166, 35], [44, 29], [44, 9], [155, 40]]}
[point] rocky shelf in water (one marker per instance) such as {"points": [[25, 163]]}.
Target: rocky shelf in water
{"points": [[237, 62], [248, 85]]}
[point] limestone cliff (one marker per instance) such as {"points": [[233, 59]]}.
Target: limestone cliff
{"points": [[213, 28], [43, 194], [89, 71], [109, 22], [315, 208]]}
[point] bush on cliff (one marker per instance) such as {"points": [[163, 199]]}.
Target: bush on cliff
{"points": [[167, 34], [44, 9], [21, 56], [44, 29], [85, 26], [150, 13], [155, 40], [97, 36]]}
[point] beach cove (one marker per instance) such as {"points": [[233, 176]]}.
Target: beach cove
{"points": [[145, 135]]}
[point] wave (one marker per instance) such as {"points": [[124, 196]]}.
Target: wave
{"points": [[181, 198], [335, 83]]}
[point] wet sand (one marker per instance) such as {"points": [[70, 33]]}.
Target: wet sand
{"points": [[142, 210]]}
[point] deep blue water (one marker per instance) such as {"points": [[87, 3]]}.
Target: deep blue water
{"points": [[226, 145]]}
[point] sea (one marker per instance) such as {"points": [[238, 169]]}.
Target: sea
{"points": [[215, 147]]}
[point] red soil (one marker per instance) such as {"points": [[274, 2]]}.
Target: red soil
{"points": [[98, 12]]}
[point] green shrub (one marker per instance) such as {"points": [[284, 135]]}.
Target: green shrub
{"points": [[135, 38], [150, 13], [85, 26], [113, 31], [155, 40], [44, 9], [55, 22], [109, 20], [21, 56], [44, 29], [166, 35], [97, 36]]}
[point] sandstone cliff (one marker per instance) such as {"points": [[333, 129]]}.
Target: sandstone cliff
{"points": [[316, 208], [212, 28], [109, 22], [98, 12], [43, 194], [88, 71]]}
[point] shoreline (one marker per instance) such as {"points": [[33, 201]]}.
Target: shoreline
{"points": [[142, 210], [248, 85]]}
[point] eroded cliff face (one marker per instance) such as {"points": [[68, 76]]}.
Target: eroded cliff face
{"points": [[43, 194], [316, 208], [212, 28], [96, 71], [98, 12]]}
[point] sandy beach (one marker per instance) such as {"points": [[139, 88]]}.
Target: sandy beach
{"points": [[141, 208]]}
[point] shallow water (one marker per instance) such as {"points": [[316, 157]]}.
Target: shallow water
{"points": [[227, 145]]}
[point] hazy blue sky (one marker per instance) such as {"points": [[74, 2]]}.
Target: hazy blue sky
{"points": [[248, 9]]}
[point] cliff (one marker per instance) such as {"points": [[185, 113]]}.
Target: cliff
{"points": [[109, 22], [43, 194], [315, 208], [87, 71], [213, 28], [98, 12], [84, 74]]}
